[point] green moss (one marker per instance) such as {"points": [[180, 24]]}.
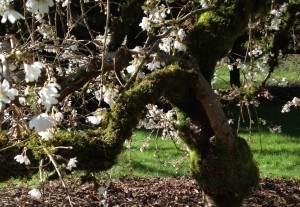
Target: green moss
{"points": [[130, 106], [10, 168], [35, 147], [226, 176], [215, 32], [294, 2], [92, 153], [98, 150]]}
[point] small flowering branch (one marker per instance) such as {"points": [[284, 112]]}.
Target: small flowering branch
{"points": [[59, 174], [146, 55], [104, 43]]}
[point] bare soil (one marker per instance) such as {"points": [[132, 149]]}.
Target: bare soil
{"points": [[126, 192]]}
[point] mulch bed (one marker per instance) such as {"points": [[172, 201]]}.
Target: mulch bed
{"points": [[127, 192]]}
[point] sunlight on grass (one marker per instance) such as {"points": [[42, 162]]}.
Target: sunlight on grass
{"points": [[161, 160], [276, 154], [289, 69]]}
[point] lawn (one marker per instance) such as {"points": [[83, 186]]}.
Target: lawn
{"points": [[277, 154], [289, 69]]}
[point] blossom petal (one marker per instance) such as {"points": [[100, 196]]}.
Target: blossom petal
{"points": [[4, 18]]}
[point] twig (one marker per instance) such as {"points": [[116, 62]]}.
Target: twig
{"points": [[13, 145], [104, 44], [59, 174], [42, 182]]}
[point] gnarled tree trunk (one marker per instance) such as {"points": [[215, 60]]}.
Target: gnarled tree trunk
{"points": [[221, 162]]}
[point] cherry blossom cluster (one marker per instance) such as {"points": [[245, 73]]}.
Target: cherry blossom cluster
{"points": [[295, 102], [277, 14], [156, 118]]}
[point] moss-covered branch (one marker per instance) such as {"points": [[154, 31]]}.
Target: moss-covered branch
{"points": [[216, 31], [98, 150]]}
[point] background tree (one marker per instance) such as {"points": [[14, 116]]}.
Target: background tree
{"points": [[81, 61]]}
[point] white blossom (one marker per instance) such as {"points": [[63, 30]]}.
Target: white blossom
{"points": [[74, 113], [262, 121], [230, 121], [46, 135], [58, 116], [261, 68], [49, 94], [275, 22], [145, 24], [141, 75], [22, 159], [179, 46], [275, 129], [6, 93], [286, 107], [42, 122], [204, 3], [35, 194], [296, 101], [230, 67], [181, 34], [277, 14], [109, 95], [72, 163], [283, 82], [94, 119], [165, 44], [33, 72], [135, 63], [97, 116], [39, 6], [256, 52], [12, 15], [154, 65], [65, 3], [23, 101], [131, 68]]}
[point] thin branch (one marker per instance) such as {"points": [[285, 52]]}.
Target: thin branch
{"points": [[188, 16], [104, 44], [59, 174]]}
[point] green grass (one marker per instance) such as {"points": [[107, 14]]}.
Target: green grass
{"points": [[34, 181], [289, 68], [280, 155], [161, 159], [276, 154]]}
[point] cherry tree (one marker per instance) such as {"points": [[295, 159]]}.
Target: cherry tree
{"points": [[77, 77]]}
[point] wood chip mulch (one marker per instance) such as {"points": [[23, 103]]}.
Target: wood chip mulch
{"points": [[128, 192]]}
